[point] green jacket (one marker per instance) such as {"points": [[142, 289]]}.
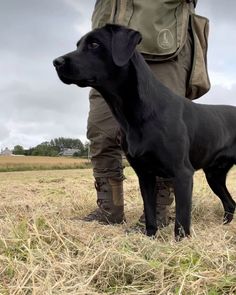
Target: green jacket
{"points": [[162, 23], [164, 26]]}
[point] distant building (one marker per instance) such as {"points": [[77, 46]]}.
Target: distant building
{"points": [[6, 152], [69, 152]]}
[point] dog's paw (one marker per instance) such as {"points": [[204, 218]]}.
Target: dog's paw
{"points": [[151, 233], [228, 217]]}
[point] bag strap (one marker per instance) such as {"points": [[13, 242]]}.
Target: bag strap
{"points": [[192, 1]]}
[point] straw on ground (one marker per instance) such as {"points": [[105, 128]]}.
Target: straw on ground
{"points": [[46, 249]]}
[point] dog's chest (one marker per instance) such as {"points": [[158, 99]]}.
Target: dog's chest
{"points": [[150, 163], [147, 155]]}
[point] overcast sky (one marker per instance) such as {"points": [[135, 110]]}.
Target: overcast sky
{"points": [[36, 106]]}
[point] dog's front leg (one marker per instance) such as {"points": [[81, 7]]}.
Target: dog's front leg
{"points": [[183, 185], [147, 184]]}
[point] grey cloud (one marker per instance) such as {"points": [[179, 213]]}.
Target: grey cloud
{"points": [[223, 11], [220, 95], [34, 27], [4, 131], [59, 98], [222, 38], [36, 112], [35, 104]]}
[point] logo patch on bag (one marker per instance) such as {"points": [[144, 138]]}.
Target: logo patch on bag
{"points": [[165, 39]]}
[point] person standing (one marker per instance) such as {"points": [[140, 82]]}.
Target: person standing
{"points": [[174, 44]]}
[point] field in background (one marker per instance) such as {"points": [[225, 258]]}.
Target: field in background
{"points": [[45, 247], [28, 163]]}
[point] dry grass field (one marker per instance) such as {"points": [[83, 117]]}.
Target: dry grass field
{"points": [[45, 247], [22, 163]]}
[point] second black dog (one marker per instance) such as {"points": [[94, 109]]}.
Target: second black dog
{"points": [[163, 134]]}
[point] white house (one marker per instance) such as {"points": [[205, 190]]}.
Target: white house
{"points": [[6, 152], [69, 152]]}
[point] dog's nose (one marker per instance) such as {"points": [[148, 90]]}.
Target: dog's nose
{"points": [[58, 62]]}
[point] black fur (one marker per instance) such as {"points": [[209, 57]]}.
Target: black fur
{"points": [[163, 134]]}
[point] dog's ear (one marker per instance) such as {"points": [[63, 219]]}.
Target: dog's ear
{"points": [[124, 42]]}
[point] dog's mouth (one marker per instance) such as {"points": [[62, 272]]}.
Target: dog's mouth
{"points": [[71, 76], [85, 83], [65, 80], [79, 82]]}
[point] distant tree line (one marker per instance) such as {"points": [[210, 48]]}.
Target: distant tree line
{"points": [[54, 147]]}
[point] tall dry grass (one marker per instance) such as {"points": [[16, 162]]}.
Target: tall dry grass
{"points": [[45, 247], [29, 163]]}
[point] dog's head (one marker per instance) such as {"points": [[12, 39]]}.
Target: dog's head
{"points": [[99, 57]]}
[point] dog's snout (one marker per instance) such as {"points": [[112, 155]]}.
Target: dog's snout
{"points": [[58, 62]]}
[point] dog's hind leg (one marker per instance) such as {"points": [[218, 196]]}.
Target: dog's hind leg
{"points": [[216, 178], [147, 184]]}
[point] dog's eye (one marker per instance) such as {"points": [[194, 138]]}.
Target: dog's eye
{"points": [[93, 45]]}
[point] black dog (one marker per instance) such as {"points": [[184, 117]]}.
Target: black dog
{"points": [[163, 134]]}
